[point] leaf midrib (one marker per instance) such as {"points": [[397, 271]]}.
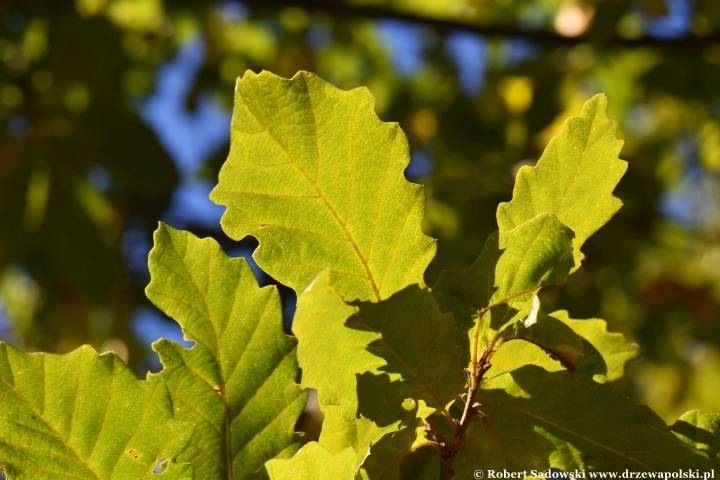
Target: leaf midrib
{"points": [[223, 393], [314, 184], [412, 371]]}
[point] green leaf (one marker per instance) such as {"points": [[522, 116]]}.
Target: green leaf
{"points": [[85, 416], [604, 353], [314, 462], [402, 455], [237, 384], [381, 453], [359, 433], [574, 178], [512, 265], [318, 179], [370, 357], [701, 431], [550, 334], [538, 419]]}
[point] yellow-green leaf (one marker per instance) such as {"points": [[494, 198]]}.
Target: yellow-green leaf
{"points": [[701, 431], [314, 462], [318, 179], [359, 433], [403, 455], [574, 178], [84, 416], [604, 353], [370, 357], [237, 384], [536, 419]]}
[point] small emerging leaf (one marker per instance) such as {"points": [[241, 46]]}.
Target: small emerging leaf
{"points": [[314, 462], [369, 357], [535, 253], [318, 179], [511, 266], [86, 416], [237, 384]]}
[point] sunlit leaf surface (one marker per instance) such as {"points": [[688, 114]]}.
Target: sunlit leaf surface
{"points": [[318, 179], [237, 384], [84, 416]]}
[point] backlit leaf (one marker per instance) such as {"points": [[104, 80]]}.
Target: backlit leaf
{"points": [[237, 384], [538, 419], [314, 462], [604, 353], [574, 178], [370, 357], [318, 179], [84, 416]]}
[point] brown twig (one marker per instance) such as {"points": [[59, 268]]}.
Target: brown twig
{"points": [[432, 427], [471, 408]]}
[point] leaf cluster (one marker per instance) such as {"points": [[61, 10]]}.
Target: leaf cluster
{"points": [[414, 382]]}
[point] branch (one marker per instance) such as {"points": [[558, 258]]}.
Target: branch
{"points": [[470, 410], [432, 427], [542, 37]]}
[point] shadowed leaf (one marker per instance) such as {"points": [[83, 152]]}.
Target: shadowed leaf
{"points": [[550, 334], [604, 353], [370, 357], [701, 431], [538, 419]]}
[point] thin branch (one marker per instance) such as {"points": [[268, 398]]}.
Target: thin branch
{"points": [[432, 427], [471, 409], [543, 37]]}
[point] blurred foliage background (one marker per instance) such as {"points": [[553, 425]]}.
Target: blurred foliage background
{"points": [[114, 114]]}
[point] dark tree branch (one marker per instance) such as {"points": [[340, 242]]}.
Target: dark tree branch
{"points": [[542, 37]]}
